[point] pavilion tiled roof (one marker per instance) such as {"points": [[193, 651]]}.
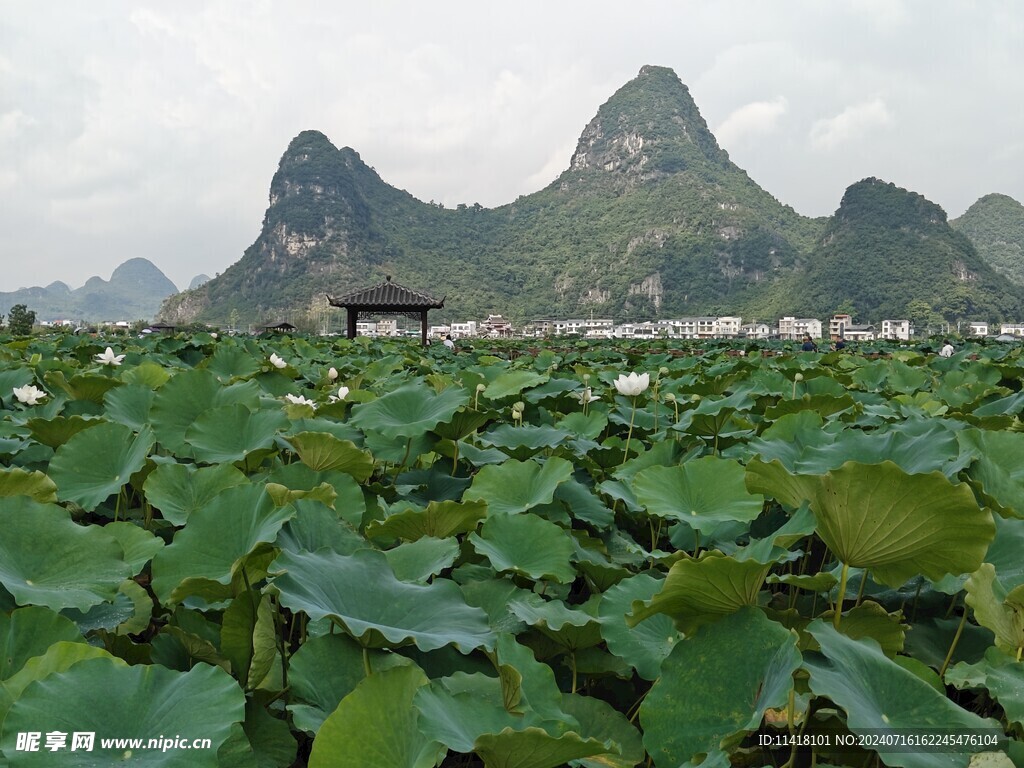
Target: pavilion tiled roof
{"points": [[387, 294]]}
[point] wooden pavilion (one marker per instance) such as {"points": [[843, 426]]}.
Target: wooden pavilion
{"points": [[387, 298]]}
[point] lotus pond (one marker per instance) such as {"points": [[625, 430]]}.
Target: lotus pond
{"points": [[367, 554]]}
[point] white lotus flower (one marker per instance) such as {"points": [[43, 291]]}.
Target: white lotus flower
{"points": [[342, 394], [299, 400], [632, 385], [586, 396], [109, 358], [213, 335], [332, 374], [29, 394], [277, 362]]}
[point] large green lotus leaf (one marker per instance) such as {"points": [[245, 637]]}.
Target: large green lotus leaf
{"points": [[94, 464], [535, 748], [1001, 675], [36, 485], [1004, 553], [320, 451], [440, 519], [315, 526], [58, 657], [213, 546], [422, 559], [998, 474], [513, 383], [583, 505], [180, 401], [324, 671], [878, 517], [530, 436], [516, 486], [46, 559], [645, 645], [528, 685], [718, 684], [526, 545], [996, 609], [360, 592], [702, 493], [148, 373], [139, 545], [232, 362], [464, 423], [129, 405], [90, 387], [350, 504], [376, 725], [700, 591], [457, 710], [178, 490], [600, 720], [570, 628], [143, 702], [229, 433], [28, 632], [58, 430], [248, 638], [589, 426], [409, 411], [880, 696]]}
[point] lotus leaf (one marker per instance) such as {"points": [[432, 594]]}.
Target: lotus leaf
{"points": [[35, 485], [324, 671], [536, 748], [516, 486], [998, 474], [95, 463], [248, 638], [420, 560], [700, 591], [228, 433], [570, 628], [209, 553], [878, 517], [58, 430], [645, 645], [533, 438], [46, 559], [409, 411], [1001, 675], [115, 701], [600, 720], [998, 610], [129, 405], [879, 696], [513, 383], [182, 399], [377, 725], [315, 526], [718, 684], [526, 545], [28, 632], [702, 493], [139, 545], [440, 519], [177, 490], [360, 593], [321, 451]]}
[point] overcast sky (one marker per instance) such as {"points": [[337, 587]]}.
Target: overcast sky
{"points": [[153, 128]]}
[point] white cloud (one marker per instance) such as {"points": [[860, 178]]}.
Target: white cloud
{"points": [[758, 117], [851, 124]]}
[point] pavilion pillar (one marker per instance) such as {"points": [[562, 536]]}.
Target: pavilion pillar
{"points": [[352, 315], [423, 327]]}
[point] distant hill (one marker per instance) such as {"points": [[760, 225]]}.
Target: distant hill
{"points": [[198, 280], [885, 249], [995, 225], [650, 219], [134, 292]]}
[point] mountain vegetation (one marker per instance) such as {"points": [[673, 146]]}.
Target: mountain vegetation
{"points": [[995, 226], [650, 219], [135, 291], [886, 248]]}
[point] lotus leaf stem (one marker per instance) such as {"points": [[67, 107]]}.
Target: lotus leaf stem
{"points": [[629, 435], [572, 661], [956, 639], [366, 661], [838, 615], [860, 592]]}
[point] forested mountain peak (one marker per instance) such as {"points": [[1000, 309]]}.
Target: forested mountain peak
{"points": [[995, 224]]}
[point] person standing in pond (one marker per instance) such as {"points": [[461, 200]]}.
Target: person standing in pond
{"points": [[809, 345], [448, 343], [947, 349]]}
